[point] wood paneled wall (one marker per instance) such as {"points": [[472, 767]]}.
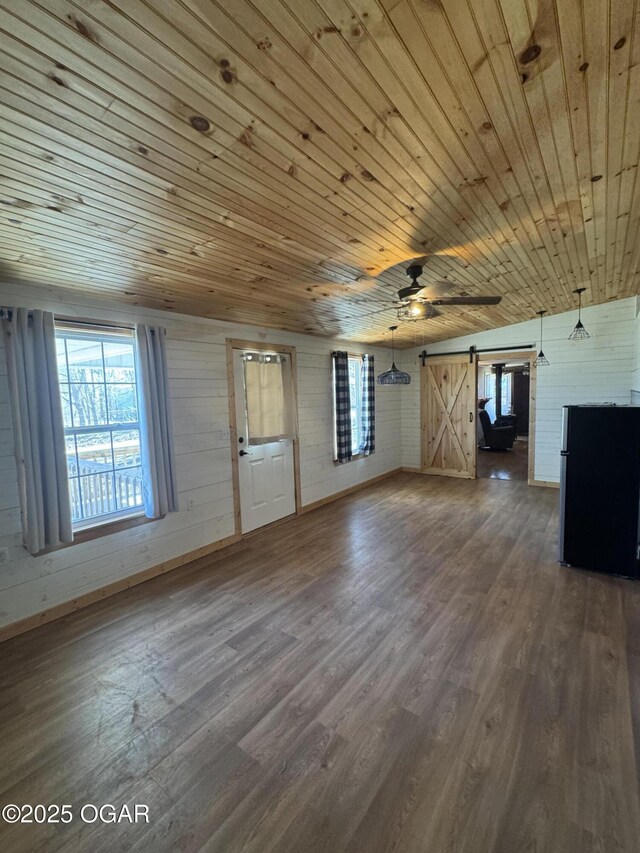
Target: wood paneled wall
{"points": [[197, 373], [279, 163]]}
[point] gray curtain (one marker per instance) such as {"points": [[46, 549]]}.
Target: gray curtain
{"points": [[38, 428], [342, 399], [156, 433], [368, 396]]}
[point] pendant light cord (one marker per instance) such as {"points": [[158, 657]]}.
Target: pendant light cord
{"points": [[541, 315]]}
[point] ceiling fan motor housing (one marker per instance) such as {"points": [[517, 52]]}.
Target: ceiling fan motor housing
{"points": [[409, 292], [414, 271]]}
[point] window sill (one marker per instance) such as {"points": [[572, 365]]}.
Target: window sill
{"points": [[354, 458], [105, 528]]}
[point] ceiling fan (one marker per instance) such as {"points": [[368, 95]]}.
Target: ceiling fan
{"points": [[412, 305]]}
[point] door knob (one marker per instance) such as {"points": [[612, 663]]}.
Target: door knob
{"points": [[244, 453]]}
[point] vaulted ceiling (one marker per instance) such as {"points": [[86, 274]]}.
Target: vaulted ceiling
{"points": [[278, 162]]}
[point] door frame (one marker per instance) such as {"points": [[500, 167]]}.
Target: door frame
{"points": [[530, 356], [440, 358], [235, 343]]}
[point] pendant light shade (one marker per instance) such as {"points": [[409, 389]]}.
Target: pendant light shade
{"points": [[579, 333], [541, 360], [393, 376]]}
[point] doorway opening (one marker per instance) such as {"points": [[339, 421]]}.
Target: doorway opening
{"points": [[505, 416]]}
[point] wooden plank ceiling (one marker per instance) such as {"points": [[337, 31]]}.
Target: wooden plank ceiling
{"points": [[278, 161]]}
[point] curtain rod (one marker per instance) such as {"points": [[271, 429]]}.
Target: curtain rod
{"points": [[8, 313], [424, 355], [107, 324]]}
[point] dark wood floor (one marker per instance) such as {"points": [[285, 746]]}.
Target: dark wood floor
{"points": [[505, 464], [407, 669]]}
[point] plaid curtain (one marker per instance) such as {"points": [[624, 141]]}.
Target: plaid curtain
{"points": [[368, 392], [343, 406]]}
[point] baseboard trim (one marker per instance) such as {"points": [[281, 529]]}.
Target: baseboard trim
{"points": [[545, 484], [343, 494], [31, 622], [38, 619]]}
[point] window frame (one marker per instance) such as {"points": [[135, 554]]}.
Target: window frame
{"points": [[356, 362], [491, 390], [357, 454], [85, 528]]}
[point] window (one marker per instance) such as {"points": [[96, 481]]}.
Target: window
{"points": [[354, 406], [98, 388], [355, 394], [490, 391]]}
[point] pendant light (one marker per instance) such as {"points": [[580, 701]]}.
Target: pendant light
{"points": [[579, 333], [393, 376], [541, 360]]}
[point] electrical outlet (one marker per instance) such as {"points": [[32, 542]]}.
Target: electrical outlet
{"points": [[4, 556]]}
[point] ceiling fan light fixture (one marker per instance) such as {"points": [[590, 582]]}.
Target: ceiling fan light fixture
{"points": [[393, 376], [579, 333], [416, 309]]}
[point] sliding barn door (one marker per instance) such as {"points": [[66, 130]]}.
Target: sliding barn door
{"points": [[449, 442]]}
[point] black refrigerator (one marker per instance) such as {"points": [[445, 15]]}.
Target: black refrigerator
{"points": [[600, 489]]}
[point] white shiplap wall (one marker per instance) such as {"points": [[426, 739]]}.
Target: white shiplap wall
{"points": [[197, 370], [635, 379], [595, 371]]}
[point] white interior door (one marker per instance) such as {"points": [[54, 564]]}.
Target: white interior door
{"points": [[265, 471]]}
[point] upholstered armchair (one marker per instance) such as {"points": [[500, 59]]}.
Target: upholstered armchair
{"points": [[496, 437]]}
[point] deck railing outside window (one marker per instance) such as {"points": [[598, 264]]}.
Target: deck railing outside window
{"points": [[100, 406]]}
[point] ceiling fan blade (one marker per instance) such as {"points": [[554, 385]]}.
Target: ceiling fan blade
{"points": [[437, 288], [378, 311], [429, 290], [466, 300]]}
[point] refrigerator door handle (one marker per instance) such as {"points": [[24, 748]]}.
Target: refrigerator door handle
{"points": [[564, 452]]}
